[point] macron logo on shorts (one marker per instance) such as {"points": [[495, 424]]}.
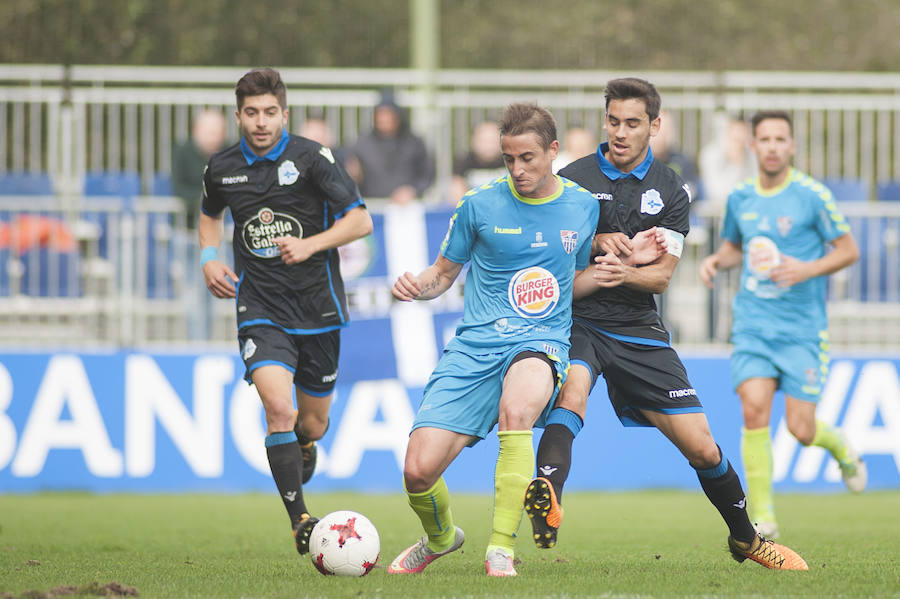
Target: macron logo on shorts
{"points": [[676, 393]]}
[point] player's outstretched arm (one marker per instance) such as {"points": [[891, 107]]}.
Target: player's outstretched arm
{"points": [[355, 224], [430, 283], [792, 271], [727, 256]]}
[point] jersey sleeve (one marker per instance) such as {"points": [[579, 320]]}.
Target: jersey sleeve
{"points": [[829, 222], [730, 230], [341, 192], [211, 202], [583, 257], [677, 216], [457, 244]]}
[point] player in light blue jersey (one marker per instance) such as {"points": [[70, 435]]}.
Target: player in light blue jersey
{"points": [[777, 227], [525, 236]]}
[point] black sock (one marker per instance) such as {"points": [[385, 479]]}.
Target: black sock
{"points": [[723, 487], [554, 456], [286, 463]]}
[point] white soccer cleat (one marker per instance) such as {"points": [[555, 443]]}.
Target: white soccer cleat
{"points": [[853, 471], [416, 557], [498, 562]]}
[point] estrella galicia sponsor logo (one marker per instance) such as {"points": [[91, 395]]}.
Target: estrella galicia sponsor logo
{"points": [[677, 393], [533, 292], [259, 232], [569, 240], [287, 173], [235, 179], [651, 202]]}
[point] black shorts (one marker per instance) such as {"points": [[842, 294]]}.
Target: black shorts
{"points": [[638, 376], [312, 358]]}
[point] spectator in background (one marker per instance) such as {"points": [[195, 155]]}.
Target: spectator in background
{"points": [[317, 129], [577, 142], [481, 164], [391, 162], [665, 149], [725, 162], [190, 158]]}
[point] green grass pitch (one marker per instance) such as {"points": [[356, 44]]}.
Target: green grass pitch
{"points": [[635, 544]]}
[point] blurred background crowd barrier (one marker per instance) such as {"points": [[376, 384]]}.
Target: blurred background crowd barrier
{"points": [[96, 251]]}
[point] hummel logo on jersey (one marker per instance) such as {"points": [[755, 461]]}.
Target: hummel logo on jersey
{"points": [[548, 470], [234, 179], [290, 495], [507, 230], [741, 504]]}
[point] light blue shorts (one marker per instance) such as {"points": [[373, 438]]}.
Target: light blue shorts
{"points": [[463, 393], [799, 367]]}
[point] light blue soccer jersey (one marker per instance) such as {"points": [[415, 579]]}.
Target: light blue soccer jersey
{"points": [[800, 217], [523, 253]]}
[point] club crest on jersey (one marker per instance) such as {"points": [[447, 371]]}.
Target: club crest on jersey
{"points": [[258, 232], [569, 240], [651, 202], [287, 173], [533, 292], [784, 224]]}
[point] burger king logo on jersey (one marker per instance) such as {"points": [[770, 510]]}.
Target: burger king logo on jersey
{"points": [[533, 292], [258, 232]]}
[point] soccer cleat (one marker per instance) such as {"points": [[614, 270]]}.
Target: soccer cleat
{"points": [[302, 530], [414, 558], [308, 450], [768, 553], [498, 562], [853, 471], [768, 529], [544, 512]]}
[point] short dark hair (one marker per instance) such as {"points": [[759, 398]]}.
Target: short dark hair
{"points": [[627, 88], [771, 114], [523, 117], [259, 82]]}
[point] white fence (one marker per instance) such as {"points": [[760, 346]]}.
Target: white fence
{"points": [[133, 279]]}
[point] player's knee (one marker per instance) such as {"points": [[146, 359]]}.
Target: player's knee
{"points": [[705, 456], [572, 399], [417, 478], [280, 417], [313, 426], [803, 431]]}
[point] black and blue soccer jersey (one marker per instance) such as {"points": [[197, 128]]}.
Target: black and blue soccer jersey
{"points": [[297, 189], [650, 195]]}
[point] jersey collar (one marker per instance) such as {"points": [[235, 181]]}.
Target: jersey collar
{"points": [[613, 173], [536, 201], [768, 193], [271, 156]]}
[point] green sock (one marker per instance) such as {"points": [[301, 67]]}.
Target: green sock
{"points": [[756, 450], [515, 465], [433, 509], [831, 439]]}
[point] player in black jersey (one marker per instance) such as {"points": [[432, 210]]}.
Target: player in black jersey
{"points": [[617, 331], [293, 205]]}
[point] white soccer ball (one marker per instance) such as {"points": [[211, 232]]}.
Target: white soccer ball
{"points": [[344, 543]]}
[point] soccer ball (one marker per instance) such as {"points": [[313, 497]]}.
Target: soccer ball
{"points": [[344, 543]]}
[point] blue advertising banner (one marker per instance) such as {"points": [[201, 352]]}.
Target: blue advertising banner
{"points": [[135, 422]]}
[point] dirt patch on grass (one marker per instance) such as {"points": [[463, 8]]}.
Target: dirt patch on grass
{"points": [[93, 589]]}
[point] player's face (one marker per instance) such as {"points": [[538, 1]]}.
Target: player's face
{"points": [[261, 120], [628, 129], [529, 164], [774, 146]]}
